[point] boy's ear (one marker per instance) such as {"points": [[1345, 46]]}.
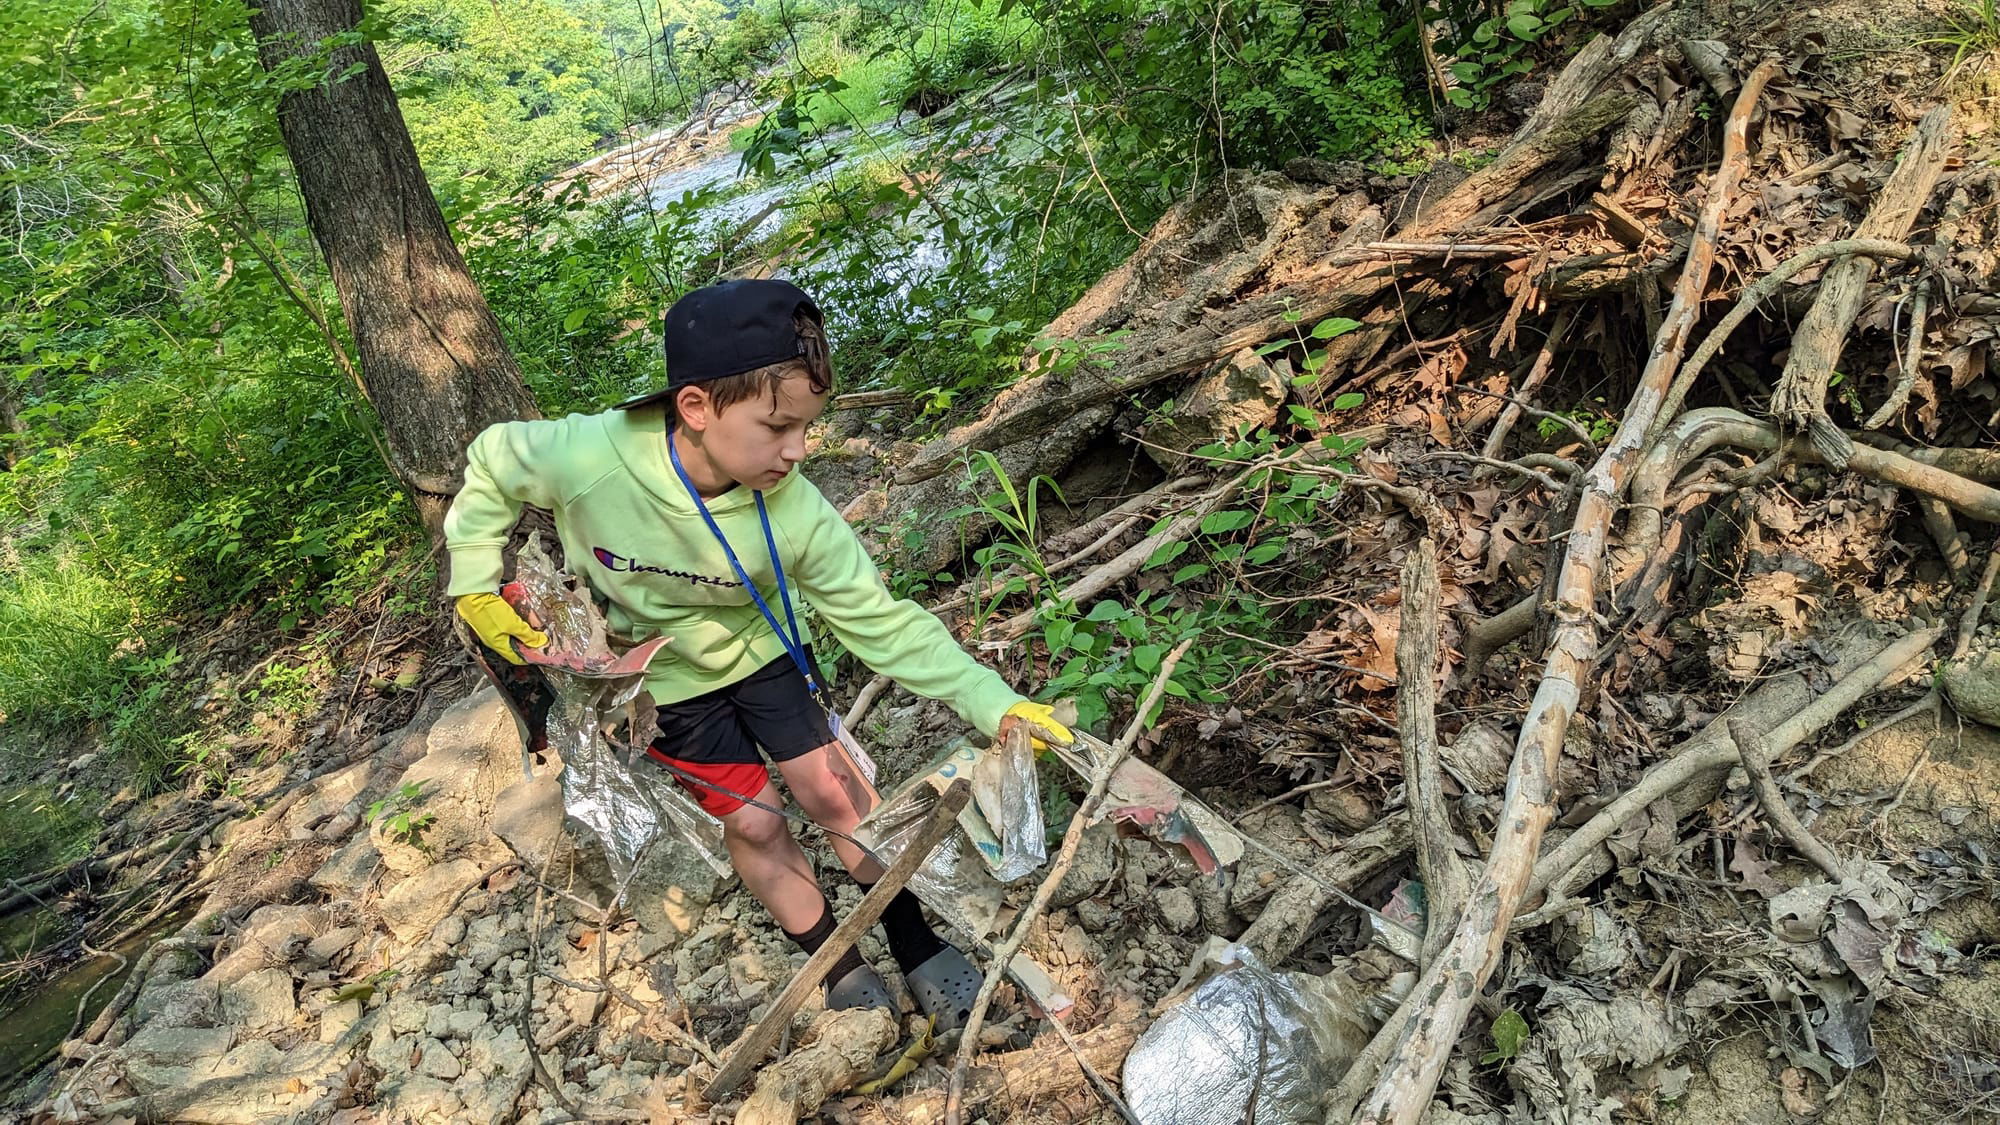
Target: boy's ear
{"points": [[695, 408]]}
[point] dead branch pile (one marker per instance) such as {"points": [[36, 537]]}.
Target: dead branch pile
{"points": [[1676, 425]]}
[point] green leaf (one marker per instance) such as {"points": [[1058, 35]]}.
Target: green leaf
{"points": [[1263, 553], [1508, 1031], [1057, 634], [1167, 553], [574, 320], [1524, 25], [1334, 326], [1146, 658], [1189, 572], [1349, 401], [1220, 523], [1302, 416], [1106, 611]]}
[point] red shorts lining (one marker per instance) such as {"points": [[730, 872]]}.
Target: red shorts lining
{"points": [[746, 778]]}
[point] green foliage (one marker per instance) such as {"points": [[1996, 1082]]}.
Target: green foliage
{"points": [[1502, 45], [405, 822], [1508, 1032], [1973, 28]]}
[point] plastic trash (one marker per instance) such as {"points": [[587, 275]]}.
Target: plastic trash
{"points": [[629, 810], [1247, 1034], [1010, 801]]}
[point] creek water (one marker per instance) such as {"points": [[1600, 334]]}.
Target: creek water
{"points": [[34, 1019]]}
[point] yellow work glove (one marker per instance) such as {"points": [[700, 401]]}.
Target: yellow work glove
{"points": [[1042, 726], [494, 621]]}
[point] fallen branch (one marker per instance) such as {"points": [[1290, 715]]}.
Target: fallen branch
{"points": [[1800, 399], [758, 1041], [1755, 295], [1287, 920], [1004, 951], [1713, 751], [1446, 880], [1755, 751], [1131, 560], [1453, 980]]}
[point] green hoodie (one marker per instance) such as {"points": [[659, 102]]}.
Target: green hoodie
{"points": [[629, 528]]}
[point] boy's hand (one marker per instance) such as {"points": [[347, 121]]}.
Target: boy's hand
{"points": [[1041, 722], [494, 621]]}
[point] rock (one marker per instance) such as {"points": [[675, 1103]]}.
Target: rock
{"points": [[438, 1061], [1244, 394], [419, 1097], [417, 904], [1177, 909], [181, 1003], [528, 818], [437, 1022], [486, 1102], [164, 1045], [274, 935], [331, 944], [1972, 684], [407, 1015], [334, 1022], [464, 1023], [347, 873], [259, 1000], [1096, 860], [473, 751], [667, 892], [258, 1056], [451, 931]]}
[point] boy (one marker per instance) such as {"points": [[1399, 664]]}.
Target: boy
{"points": [[684, 511]]}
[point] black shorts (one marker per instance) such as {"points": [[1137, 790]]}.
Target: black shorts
{"points": [[770, 707]]}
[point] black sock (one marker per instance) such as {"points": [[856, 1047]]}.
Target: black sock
{"points": [[815, 937], [911, 939]]}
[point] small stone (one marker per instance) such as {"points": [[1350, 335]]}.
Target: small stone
{"points": [[438, 1061], [332, 943], [335, 1021], [451, 931], [260, 999], [437, 1022], [464, 1023], [1177, 909]]}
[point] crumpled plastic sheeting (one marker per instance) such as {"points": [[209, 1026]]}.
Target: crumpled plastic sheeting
{"points": [[625, 810], [1010, 800], [954, 880], [1282, 1039]]}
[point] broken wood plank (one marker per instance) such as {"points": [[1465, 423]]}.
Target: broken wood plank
{"points": [[758, 1041]]}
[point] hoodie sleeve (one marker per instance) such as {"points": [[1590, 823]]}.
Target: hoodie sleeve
{"points": [[894, 636], [508, 464]]}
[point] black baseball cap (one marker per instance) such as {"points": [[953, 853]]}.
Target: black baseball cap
{"points": [[727, 329]]}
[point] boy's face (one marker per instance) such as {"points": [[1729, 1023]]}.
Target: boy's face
{"points": [[757, 441]]}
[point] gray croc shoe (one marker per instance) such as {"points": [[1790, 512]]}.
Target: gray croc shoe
{"points": [[862, 987], [945, 987]]}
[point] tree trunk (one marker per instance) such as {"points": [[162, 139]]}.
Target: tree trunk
{"points": [[432, 359]]}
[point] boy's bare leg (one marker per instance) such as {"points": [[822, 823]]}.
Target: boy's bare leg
{"points": [[830, 790], [771, 864]]}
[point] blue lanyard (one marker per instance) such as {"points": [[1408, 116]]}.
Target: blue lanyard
{"points": [[793, 640]]}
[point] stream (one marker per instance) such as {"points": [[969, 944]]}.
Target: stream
{"points": [[35, 1019]]}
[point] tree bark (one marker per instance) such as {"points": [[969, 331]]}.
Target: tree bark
{"points": [[433, 363]]}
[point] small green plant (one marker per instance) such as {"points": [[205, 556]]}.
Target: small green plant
{"points": [[291, 689], [1017, 513], [1502, 46], [1599, 424], [1974, 30], [1509, 1030], [405, 824]]}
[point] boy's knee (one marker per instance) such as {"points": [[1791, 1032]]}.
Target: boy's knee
{"points": [[757, 828]]}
